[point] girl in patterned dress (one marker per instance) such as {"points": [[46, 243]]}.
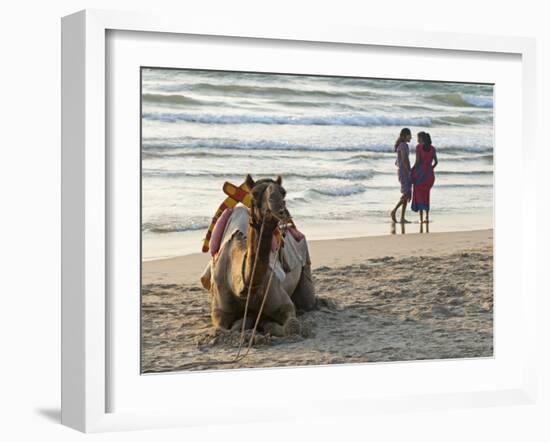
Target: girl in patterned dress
{"points": [[403, 173]]}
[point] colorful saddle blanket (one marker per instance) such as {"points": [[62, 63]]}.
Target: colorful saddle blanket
{"points": [[294, 252]]}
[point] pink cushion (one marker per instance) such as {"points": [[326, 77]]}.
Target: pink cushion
{"points": [[219, 228]]}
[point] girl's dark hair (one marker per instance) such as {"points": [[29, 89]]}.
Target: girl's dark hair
{"points": [[426, 140], [405, 132]]}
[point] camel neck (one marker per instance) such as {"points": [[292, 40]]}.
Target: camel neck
{"points": [[253, 236]]}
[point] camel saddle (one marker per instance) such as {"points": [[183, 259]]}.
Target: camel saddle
{"points": [[293, 254]]}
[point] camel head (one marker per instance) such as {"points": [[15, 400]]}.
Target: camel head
{"points": [[268, 201]]}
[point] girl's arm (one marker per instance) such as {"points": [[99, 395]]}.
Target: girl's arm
{"points": [[405, 159], [435, 159]]}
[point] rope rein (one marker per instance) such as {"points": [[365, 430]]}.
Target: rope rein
{"points": [[251, 341], [239, 357], [250, 288]]}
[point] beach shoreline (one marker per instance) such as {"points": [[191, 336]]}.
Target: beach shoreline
{"points": [[177, 244], [187, 269]]}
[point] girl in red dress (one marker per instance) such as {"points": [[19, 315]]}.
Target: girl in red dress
{"points": [[423, 175]]}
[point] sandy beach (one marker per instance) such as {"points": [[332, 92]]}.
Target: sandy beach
{"points": [[384, 298]]}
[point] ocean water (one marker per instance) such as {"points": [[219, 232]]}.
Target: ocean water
{"points": [[330, 138]]}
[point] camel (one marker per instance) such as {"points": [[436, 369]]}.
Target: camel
{"points": [[228, 276]]}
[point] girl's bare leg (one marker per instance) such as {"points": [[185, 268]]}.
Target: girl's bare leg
{"points": [[403, 208], [394, 211], [427, 216], [421, 216]]}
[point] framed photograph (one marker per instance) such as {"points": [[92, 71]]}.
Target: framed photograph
{"points": [[317, 217]]}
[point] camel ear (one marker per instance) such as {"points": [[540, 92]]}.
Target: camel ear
{"points": [[249, 181], [279, 180]]}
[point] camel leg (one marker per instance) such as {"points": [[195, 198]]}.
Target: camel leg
{"points": [[238, 324], [304, 295], [281, 313], [205, 277], [221, 319], [273, 328], [221, 313], [291, 327]]}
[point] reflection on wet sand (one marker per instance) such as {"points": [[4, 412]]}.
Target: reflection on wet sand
{"points": [[424, 228], [427, 227], [394, 229]]}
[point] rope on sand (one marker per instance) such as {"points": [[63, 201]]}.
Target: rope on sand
{"points": [[238, 357]]}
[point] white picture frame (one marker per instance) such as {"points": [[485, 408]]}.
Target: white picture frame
{"points": [[86, 211]]}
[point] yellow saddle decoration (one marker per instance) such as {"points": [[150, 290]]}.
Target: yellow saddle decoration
{"points": [[235, 195]]}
